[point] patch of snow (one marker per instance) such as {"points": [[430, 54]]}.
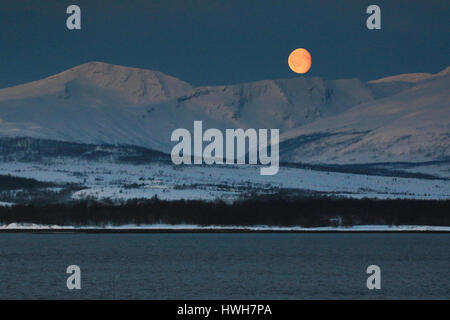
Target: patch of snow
{"points": [[31, 226], [126, 181], [6, 204], [367, 228]]}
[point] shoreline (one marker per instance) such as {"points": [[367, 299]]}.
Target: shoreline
{"points": [[33, 228], [196, 231]]}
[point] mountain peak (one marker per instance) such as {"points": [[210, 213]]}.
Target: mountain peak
{"points": [[90, 69], [444, 72], [406, 77], [135, 85], [412, 77]]}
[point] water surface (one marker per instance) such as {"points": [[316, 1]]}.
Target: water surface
{"points": [[224, 266]]}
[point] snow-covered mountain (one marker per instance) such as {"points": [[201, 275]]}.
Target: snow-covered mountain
{"points": [[131, 85], [283, 104], [404, 117], [411, 125], [103, 103], [91, 103]]}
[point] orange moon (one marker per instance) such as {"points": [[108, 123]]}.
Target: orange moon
{"points": [[299, 60]]}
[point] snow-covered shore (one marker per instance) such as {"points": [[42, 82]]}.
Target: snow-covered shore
{"points": [[6, 204], [165, 227]]}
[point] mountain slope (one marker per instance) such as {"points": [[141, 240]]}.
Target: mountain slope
{"points": [[100, 103], [412, 125], [394, 84], [283, 104], [398, 118], [133, 85]]}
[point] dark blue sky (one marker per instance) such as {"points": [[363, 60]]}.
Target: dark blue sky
{"points": [[224, 41]]}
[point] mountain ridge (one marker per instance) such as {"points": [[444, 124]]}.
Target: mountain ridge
{"points": [[137, 85], [412, 125], [100, 103]]}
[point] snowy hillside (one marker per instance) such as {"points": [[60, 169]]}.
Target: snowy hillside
{"points": [[398, 118], [46, 171], [412, 125], [282, 104], [121, 181], [132, 85], [101, 103]]}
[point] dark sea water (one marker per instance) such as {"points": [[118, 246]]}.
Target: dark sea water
{"points": [[224, 266]]}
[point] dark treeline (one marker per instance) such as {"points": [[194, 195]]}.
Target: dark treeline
{"points": [[8, 182], [308, 212], [30, 149]]}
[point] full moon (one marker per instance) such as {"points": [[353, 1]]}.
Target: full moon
{"points": [[299, 60]]}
